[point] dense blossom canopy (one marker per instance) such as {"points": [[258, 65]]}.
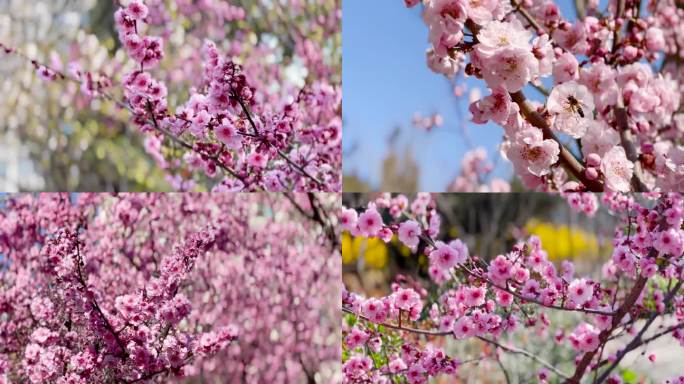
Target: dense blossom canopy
{"points": [[155, 287]]}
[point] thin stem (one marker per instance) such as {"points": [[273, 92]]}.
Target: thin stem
{"points": [[399, 328], [528, 354], [533, 22], [189, 146], [542, 89], [503, 369]]}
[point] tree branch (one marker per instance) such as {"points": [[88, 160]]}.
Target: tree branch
{"points": [[637, 340], [519, 8], [605, 334], [566, 158], [280, 152], [446, 333], [189, 146]]}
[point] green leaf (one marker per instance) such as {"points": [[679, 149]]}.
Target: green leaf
{"points": [[629, 376]]}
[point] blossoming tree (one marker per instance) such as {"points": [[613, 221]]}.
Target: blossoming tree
{"points": [[392, 339], [258, 111], [612, 118], [152, 288]]}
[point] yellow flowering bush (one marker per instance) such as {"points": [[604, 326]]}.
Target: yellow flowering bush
{"points": [[564, 241]]}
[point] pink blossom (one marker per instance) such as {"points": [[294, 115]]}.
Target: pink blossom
{"points": [[258, 160], [599, 78], [475, 296], [565, 68], [46, 73], [481, 11], [531, 289], [199, 123], [599, 139], [375, 310], [580, 291], [397, 365], [370, 222], [446, 256], [585, 338], [356, 337], [504, 298], [543, 52], [407, 299], [496, 106], [227, 134], [530, 152], [463, 328], [617, 170], [496, 36], [275, 181], [670, 241], [385, 234], [348, 218], [409, 233], [573, 106], [136, 10], [500, 269], [510, 67], [655, 39], [572, 38]]}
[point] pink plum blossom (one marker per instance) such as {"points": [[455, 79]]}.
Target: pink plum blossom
{"points": [[573, 106]]}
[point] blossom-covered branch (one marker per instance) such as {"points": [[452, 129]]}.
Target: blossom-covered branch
{"points": [[624, 117], [475, 299], [244, 125]]}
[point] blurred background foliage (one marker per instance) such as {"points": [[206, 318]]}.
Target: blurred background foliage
{"points": [[490, 224], [54, 139], [399, 169]]}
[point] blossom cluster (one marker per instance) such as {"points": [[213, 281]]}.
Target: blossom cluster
{"points": [[472, 177], [625, 114], [491, 300], [154, 288], [256, 151]]}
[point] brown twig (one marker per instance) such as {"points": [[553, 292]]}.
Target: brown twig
{"points": [[605, 334], [637, 340], [533, 22], [280, 152], [189, 146]]}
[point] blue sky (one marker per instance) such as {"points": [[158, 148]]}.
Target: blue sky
{"points": [[386, 81]]}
